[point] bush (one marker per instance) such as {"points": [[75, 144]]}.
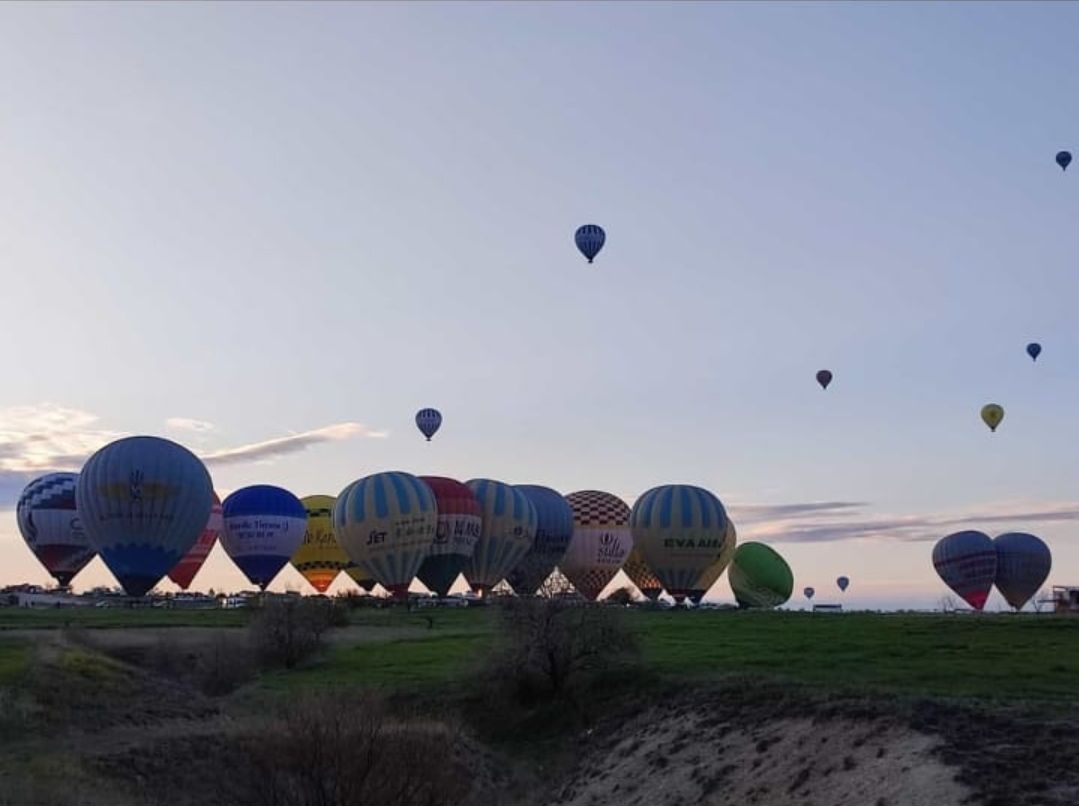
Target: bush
{"points": [[286, 630], [556, 650], [343, 749]]}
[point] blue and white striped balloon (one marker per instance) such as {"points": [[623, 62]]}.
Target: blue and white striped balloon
{"points": [[590, 239], [428, 421], [143, 502], [508, 531]]}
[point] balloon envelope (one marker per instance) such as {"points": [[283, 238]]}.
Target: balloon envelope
{"points": [[320, 558], [601, 541], [428, 421], [842, 582], [458, 531], [590, 239], [507, 533], [992, 415], [49, 523], [681, 531], [1034, 350], [1023, 564], [554, 528], [1064, 159], [261, 528], [183, 573], [641, 575], [359, 576], [386, 523], [824, 377], [808, 592], [759, 577], [967, 562], [143, 502], [712, 573]]}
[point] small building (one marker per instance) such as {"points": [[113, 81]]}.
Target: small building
{"points": [[1065, 599], [827, 608]]}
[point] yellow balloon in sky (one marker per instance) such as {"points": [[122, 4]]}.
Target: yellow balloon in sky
{"points": [[320, 557], [992, 414]]}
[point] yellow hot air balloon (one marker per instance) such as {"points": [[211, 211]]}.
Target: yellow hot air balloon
{"points": [[713, 572], [992, 414], [320, 557]]}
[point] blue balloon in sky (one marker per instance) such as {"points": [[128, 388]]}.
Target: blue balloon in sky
{"points": [[262, 526], [1064, 159], [143, 502], [590, 239], [428, 421], [1034, 350]]}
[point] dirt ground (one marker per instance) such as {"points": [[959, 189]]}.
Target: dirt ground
{"points": [[695, 760]]}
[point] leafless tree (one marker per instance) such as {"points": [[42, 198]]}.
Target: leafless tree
{"points": [[288, 629]]}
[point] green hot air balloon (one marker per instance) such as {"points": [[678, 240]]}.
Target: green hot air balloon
{"points": [[759, 577]]}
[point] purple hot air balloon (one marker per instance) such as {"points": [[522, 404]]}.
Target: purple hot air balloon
{"points": [[1023, 563], [808, 593], [824, 377], [842, 582], [967, 562]]}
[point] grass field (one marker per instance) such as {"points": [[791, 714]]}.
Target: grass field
{"points": [[1001, 658]]}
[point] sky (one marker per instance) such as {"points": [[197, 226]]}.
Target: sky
{"points": [[274, 231]]}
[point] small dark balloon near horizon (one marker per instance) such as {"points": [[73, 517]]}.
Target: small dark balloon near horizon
{"points": [[1064, 159]]}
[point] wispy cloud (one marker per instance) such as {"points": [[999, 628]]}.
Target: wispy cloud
{"points": [[47, 438], [271, 448], [188, 424], [835, 521]]}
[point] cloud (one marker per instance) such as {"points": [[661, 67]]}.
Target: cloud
{"points": [[271, 448], [188, 424], [46, 438], [837, 521]]}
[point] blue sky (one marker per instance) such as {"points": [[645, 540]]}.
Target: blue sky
{"points": [[282, 218]]}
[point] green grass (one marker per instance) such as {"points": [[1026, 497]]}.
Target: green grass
{"points": [[24, 618], [15, 659]]}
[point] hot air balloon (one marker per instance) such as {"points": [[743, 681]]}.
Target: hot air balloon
{"points": [[808, 593], [759, 577], [1034, 350], [824, 377], [642, 576], [992, 414], [1023, 563], [386, 523], [50, 525], [554, 528], [458, 531], [590, 239], [601, 541], [320, 558], [143, 502], [681, 531], [183, 573], [967, 562], [428, 421], [261, 528], [712, 573], [359, 576], [509, 529], [1064, 159], [842, 582]]}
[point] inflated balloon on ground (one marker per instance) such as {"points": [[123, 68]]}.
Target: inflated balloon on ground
{"points": [[49, 523], [183, 573], [681, 531], [1023, 565], [641, 575], [143, 502], [386, 523], [320, 558], [601, 541], [554, 528], [506, 535], [458, 530], [760, 577], [967, 562], [262, 526], [710, 576]]}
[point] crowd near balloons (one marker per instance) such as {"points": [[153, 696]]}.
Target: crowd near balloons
{"points": [[146, 506]]}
